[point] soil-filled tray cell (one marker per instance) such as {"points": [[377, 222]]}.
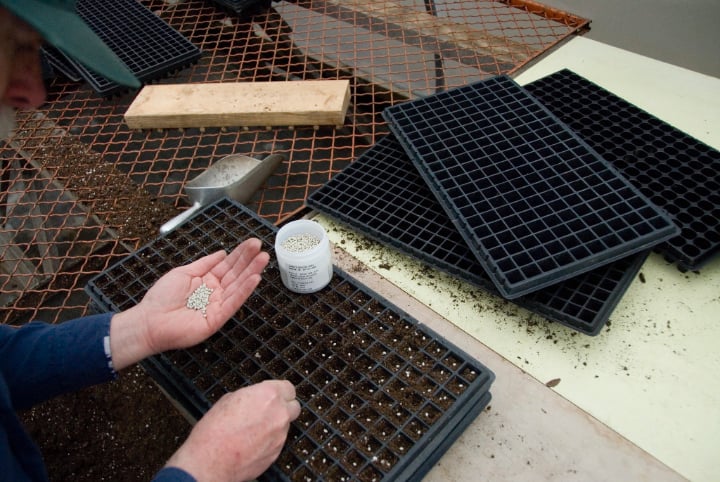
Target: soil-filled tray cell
{"points": [[148, 46], [677, 172], [584, 302], [533, 202], [382, 396]]}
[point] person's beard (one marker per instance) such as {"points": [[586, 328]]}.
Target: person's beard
{"points": [[7, 122]]}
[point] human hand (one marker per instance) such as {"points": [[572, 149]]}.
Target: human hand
{"points": [[162, 320], [241, 436]]}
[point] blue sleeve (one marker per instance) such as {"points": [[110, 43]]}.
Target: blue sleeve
{"points": [[40, 361], [173, 474]]}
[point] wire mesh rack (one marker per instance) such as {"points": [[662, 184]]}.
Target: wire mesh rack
{"points": [[80, 189]]}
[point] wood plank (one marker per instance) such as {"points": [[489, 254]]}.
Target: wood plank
{"points": [[241, 104]]}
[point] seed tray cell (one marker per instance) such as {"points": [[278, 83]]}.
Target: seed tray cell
{"points": [[382, 195], [534, 203], [382, 396], [149, 47], [675, 171]]}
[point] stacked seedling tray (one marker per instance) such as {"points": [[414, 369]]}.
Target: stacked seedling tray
{"points": [[485, 183], [60, 63], [148, 46], [534, 203], [675, 171], [382, 195], [382, 396]]}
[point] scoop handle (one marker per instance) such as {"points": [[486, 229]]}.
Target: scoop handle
{"points": [[180, 218]]}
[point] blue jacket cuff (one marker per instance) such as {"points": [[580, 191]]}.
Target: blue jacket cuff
{"points": [[173, 474]]}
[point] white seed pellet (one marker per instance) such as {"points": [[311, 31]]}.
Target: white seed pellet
{"points": [[200, 298], [300, 243]]}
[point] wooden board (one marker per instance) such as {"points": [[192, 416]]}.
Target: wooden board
{"points": [[242, 104]]}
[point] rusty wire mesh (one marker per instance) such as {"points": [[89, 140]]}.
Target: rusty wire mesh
{"points": [[80, 190]]}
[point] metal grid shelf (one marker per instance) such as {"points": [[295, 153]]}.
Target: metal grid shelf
{"points": [[533, 202], [382, 396], [387, 58], [675, 171], [382, 195]]}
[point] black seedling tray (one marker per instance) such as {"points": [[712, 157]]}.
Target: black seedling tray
{"points": [[534, 203], [149, 47], [382, 396], [243, 7], [60, 63], [677, 172], [382, 195]]}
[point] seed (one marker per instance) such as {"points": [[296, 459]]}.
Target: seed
{"points": [[300, 243], [200, 298]]}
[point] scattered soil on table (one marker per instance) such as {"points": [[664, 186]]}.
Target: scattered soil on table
{"points": [[124, 430]]}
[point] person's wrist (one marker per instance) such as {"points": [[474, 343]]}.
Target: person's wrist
{"points": [[188, 461], [128, 343]]}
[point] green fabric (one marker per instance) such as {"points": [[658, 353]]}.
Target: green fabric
{"points": [[58, 22]]}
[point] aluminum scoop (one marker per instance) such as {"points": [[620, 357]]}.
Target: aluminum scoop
{"points": [[235, 176]]}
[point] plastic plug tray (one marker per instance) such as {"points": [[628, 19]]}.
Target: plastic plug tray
{"points": [[679, 173], [149, 47], [534, 203], [60, 63], [382, 195], [243, 7], [382, 396]]}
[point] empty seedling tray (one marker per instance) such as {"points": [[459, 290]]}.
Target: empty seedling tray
{"points": [[382, 396], [60, 63], [149, 47], [534, 203], [675, 171], [243, 7], [382, 195]]}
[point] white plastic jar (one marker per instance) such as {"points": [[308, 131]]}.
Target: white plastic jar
{"points": [[303, 253]]}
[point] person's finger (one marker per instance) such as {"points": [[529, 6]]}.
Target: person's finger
{"points": [[238, 260], [293, 409], [284, 388], [237, 287], [202, 266], [233, 298]]}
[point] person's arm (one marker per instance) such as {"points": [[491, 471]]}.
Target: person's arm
{"points": [[40, 361]]}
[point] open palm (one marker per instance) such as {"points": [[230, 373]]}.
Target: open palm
{"points": [[232, 278]]}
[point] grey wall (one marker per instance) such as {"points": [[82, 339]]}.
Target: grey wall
{"points": [[680, 32]]}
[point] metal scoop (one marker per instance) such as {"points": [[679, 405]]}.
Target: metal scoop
{"points": [[235, 176]]}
